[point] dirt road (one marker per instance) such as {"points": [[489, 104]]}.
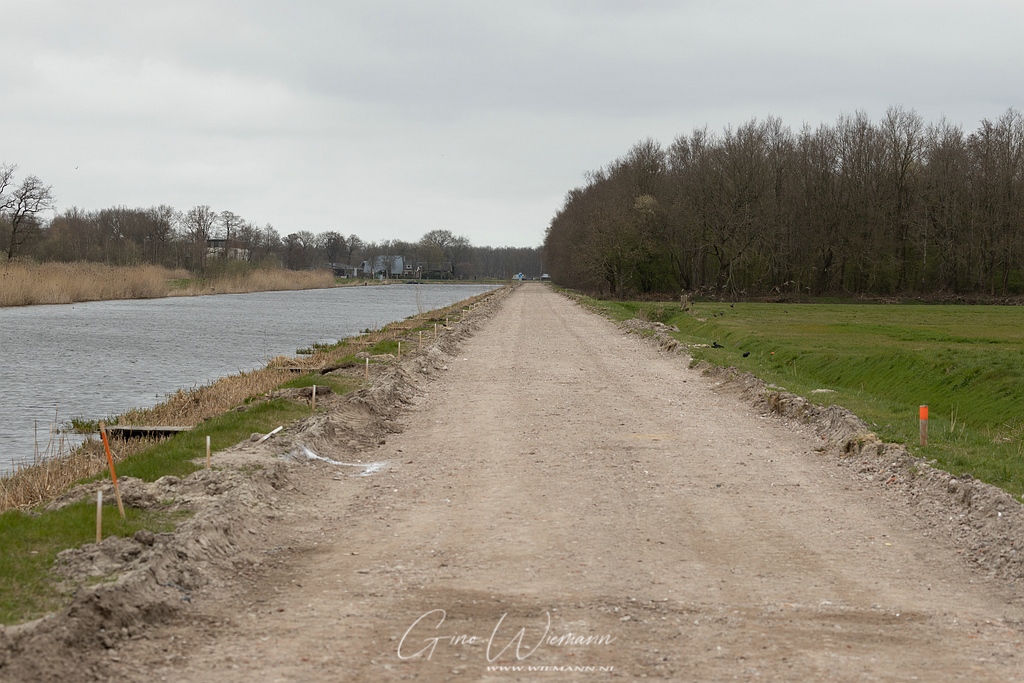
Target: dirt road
{"points": [[571, 483]]}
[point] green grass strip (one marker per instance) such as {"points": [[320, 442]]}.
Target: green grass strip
{"points": [[31, 542], [175, 455]]}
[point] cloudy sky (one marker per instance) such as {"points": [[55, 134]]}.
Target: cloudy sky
{"points": [[389, 119]]}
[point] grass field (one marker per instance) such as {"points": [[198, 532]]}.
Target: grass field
{"points": [[881, 361]]}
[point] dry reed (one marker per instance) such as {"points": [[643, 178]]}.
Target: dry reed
{"points": [[25, 283], [262, 280], [189, 407]]}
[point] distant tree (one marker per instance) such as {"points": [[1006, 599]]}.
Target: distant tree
{"points": [[21, 207], [300, 250], [353, 249], [268, 249], [442, 245], [247, 237], [333, 246], [197, 225], [230, 223]]}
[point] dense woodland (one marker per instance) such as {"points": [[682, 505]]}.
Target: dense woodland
{"points": [[858, 207], [164, 236]]}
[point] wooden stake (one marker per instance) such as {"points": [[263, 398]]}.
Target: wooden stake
{"points": [[421, 340], [399, 350], [99, 516], [207, 452], [435, 330], [923, 415], [267, 436], [313, 402], [113, 474], [367, 369]]}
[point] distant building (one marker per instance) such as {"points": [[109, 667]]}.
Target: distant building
{"points": [[344, 270], [436, 271], [217, 247], [383, 267]]}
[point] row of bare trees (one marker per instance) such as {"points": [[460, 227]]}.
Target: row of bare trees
{"points": [[897, 206], [201, 239]]}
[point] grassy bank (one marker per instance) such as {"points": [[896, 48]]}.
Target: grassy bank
{"points": [[23, 284], [227, 411], [881, 362]]}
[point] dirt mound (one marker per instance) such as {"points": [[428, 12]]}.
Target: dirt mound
{"points": [[659, 332], [150, 578], [983, 520]]}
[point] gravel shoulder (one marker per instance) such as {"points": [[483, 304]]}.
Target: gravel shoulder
{"points": [[561, 494]]}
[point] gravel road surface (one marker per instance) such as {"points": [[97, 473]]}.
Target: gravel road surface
{"points": [[565, 502]]}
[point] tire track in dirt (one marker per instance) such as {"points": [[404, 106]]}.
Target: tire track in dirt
{"points": [[562, 469]]}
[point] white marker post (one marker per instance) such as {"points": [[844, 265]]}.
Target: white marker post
{"points": [[208, 451], [399, 349], [367, 369], [99, 516], [312, 403]]}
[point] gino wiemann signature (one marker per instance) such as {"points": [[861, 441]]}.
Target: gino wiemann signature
{"points": [[412, 639]]}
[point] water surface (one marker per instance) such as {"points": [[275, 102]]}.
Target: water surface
{"points": [[97, 359]]}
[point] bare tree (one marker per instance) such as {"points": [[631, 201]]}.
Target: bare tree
{"points": [[333, 246], [198, 226], [230, 222], [22, 207]]}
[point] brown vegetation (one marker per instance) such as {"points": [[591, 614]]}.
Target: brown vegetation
{"points": [[26, 283], [260, 280]]}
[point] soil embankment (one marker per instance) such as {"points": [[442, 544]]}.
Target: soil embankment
{"points": [[553, 477]]}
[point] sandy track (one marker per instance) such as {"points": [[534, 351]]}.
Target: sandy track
{"points": [[561, 469]]}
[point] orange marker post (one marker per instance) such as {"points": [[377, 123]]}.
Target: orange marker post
{"points": [[923, 414], [113, 474]]}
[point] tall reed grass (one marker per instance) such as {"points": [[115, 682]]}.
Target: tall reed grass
{"points": [[23, 284], [26, 283], [259, 281]]}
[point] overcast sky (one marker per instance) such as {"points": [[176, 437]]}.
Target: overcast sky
{"points": [[389, 119]]}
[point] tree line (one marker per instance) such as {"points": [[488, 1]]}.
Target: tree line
{"points": [[163, 235], [858, 207]]}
